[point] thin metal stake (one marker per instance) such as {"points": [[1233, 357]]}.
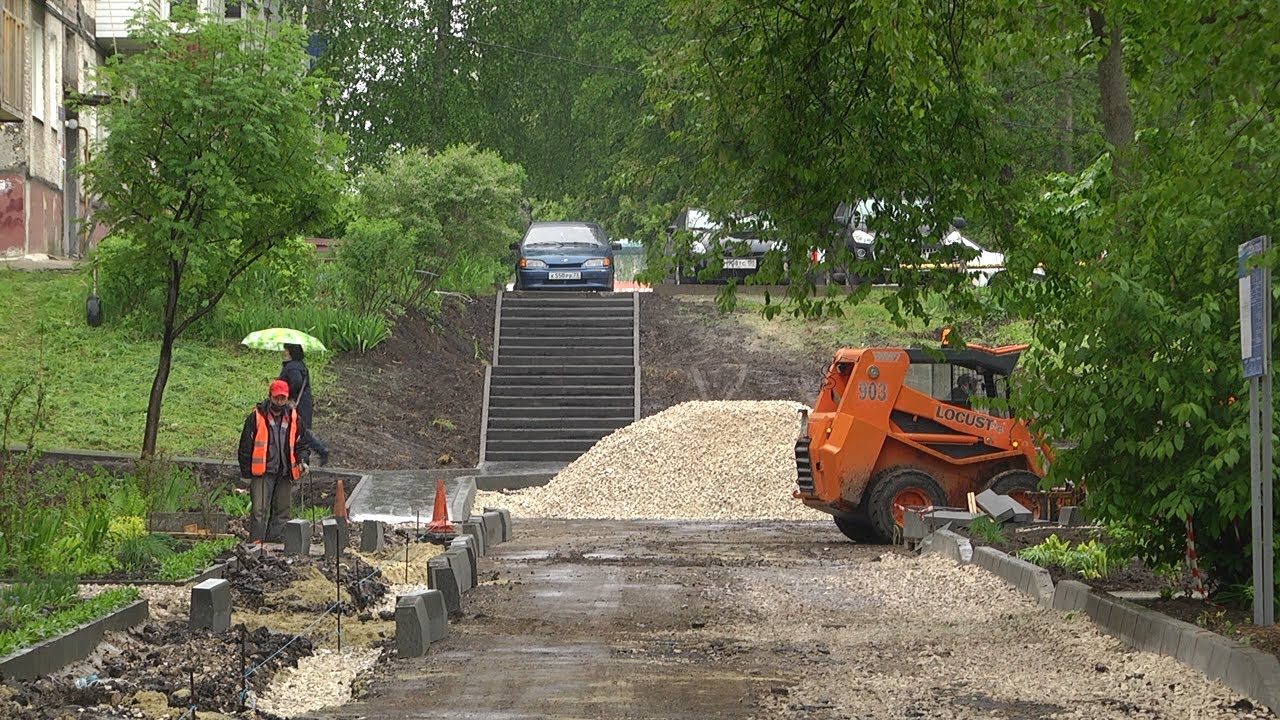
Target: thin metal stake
{"points": [[244, 691], [338, 592], [193, 693]]}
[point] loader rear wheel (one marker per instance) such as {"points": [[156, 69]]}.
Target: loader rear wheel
{"points": [[896, 490], [1016, 484], [856, 527]]}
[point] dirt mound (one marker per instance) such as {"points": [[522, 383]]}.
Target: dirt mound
{"points": [[415, 400], [698, 460]]}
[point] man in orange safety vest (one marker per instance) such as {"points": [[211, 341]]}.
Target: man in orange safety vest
{"points": [[273, 454]]}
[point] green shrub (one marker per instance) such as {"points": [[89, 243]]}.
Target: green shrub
{"points": [[236, 504], [376, 267], [986, 530], [1090, 559], [144, 553], [30, 598], [33, 630], [315, 513], [340, 330], [125, 528], [183, 565]]}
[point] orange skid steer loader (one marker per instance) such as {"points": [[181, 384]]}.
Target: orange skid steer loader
{"points": [[895, 428]]}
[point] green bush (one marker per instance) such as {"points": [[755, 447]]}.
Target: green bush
{"points": [[430, 221], [144, 553], [183, 565]]}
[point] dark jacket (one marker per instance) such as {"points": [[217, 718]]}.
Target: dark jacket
{"points": [[301, 448], [296, 374]]}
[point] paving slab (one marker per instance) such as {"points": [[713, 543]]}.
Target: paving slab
{"points": [[408, 495], [1002, 507]]}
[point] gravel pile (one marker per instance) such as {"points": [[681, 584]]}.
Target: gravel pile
{"points": [[697, 460]]}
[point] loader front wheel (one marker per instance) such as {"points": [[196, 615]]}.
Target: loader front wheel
{"points": [[897, 490], [856, 527]]}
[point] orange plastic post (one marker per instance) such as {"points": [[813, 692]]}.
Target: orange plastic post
{"points": [[340, 501], [440, 514]]}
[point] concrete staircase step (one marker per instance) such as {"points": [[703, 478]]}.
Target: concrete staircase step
{"points": [[579, 369], [553, 422]]}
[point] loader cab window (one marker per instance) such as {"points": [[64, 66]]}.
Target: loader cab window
{"points": [[952, 384]]}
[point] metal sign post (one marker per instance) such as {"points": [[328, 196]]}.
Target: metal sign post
{"points": [[1255, 349]]}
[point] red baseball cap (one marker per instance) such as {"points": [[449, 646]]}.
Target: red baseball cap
{"points": [[279, 388]]}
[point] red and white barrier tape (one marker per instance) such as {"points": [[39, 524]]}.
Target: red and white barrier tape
{"points": [[1197, 578]]}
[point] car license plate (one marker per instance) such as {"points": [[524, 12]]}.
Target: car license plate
{"points": [[564, 276], [739, 264]]}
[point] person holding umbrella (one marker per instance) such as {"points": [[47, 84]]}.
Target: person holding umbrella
{"points": [[273, 454], [294, 371], [293, 344]]}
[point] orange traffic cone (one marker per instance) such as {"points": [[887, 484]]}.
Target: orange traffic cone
{"points": [[440, 514], [340, 502]]}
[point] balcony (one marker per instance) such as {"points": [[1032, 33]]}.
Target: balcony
{"points": [[114, 16]]}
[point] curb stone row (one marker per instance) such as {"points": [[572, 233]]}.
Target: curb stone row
{"points": [[1245, 670], [422, 617]]}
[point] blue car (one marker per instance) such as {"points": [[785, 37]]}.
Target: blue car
{"points": [[564, 256]]}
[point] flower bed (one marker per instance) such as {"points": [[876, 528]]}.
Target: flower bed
{"points": [[33, 611]]}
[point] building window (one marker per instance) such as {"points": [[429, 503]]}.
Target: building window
{"points": [[37, 66], [13, 56]]}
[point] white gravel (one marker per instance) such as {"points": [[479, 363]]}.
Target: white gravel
{"points": [[697, 460], [164, 602], [928, 638], [320, 680]]}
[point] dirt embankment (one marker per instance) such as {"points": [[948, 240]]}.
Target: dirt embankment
{"points": [[415, 400], [690, 351]]}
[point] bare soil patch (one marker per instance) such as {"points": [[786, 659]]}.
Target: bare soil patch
{"points": [[689, 350], [415, 400]]}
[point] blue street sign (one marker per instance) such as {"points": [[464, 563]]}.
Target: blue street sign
{"points": [[1254, 293]]}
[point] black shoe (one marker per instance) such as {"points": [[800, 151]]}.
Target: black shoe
{"points": [[324, 458]]}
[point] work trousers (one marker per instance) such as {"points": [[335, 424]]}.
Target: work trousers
{"points": [[272, 498]]}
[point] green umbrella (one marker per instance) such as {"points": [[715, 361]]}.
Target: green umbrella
{"points": [[277, 338]]}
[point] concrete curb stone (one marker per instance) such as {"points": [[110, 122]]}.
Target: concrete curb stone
{"points": [[475, 528], [948, 544], [493, 526], [1250, 672], [440, 576], [506, 522]]}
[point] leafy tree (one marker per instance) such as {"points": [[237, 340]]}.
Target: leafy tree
{"points": [[211, 161], [1138, 315], [792, 107], [421, 215]]}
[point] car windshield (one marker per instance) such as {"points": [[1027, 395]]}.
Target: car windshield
{"points": [[561, 236]]}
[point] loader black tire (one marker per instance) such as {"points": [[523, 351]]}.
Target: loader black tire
{"points": [[1015, 482], [856, 527], [886, 490]]}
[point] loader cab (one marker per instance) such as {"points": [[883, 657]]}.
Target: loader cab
{"points": [[941, 374]]}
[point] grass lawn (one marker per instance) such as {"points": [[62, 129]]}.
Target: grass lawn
{"points": [[866, 324], [98, 379]]}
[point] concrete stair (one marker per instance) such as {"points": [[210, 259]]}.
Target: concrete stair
{"points": [[565, 374]]}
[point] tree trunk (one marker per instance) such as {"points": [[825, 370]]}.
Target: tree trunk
{"points": [[152, 431], [1066, 130], [1113, 84], [443, 22]]}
